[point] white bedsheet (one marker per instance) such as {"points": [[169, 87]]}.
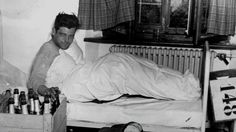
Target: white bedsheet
{"points": [[116, 74], [145, 111]]}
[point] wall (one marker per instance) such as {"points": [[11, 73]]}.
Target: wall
{"points": [[1, 38], [26, 25], [231, 57]]}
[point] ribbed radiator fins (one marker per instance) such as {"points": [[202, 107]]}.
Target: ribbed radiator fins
{"points": [[179, 59]]}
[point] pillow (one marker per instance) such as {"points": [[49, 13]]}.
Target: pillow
{"points": [[59, 69], [75, 52]]}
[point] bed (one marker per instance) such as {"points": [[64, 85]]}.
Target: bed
{"points": [[174, 115]]}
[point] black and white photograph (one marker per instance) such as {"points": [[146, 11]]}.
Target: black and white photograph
{"points": [[117, 66]]}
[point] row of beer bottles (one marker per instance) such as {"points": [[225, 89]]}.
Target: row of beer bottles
{"points": [[20, 103]]}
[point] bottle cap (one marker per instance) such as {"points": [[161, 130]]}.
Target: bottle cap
{"points": [[36, 96], [23, 100], [16, 91], [11, 100], [30, 91], [22, 92], [8, 92], [46, 98]]}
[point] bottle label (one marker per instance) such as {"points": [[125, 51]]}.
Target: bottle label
{"points": [[37, 109], [46, 108], [32, 106], [11, 109], [24, 109], [16, 100]]}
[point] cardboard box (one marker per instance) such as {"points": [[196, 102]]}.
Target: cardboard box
{"points": [[35, 123]]}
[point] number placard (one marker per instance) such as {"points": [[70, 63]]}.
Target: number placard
{"points": [[223, 95]]}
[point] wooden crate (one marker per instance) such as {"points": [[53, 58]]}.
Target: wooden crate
{"points": [[35, 123]]}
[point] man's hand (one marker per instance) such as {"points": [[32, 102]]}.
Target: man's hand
{"points": [[43, 90], [53, 91]]}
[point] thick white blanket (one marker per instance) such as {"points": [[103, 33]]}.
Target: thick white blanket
{"points": [[116, 74]]}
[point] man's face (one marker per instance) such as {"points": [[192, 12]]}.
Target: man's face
{"points": [[63, 37]]}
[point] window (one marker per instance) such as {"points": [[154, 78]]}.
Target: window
{"points": [[168, 21], [162, 20]]}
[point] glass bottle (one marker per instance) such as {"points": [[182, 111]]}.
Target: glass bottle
{"points": [[11, 105], [31, 101], [46, 105], [23, 105], [22, 95], [55, 103], [16, 100], [36, 104], [5, 103]]}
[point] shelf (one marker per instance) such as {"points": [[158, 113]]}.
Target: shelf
{"points": [[154, 43], [149, 3]]}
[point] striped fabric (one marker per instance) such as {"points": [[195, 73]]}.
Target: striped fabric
{"points": [[103, 14], [222, 17]]}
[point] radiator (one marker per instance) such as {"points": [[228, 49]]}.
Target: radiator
{"points": [[180, 59]]}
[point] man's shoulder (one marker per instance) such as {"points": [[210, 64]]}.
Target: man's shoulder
{"points": [[48, 47]]}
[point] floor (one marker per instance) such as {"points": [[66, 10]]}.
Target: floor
{"points": [[80, 129]]}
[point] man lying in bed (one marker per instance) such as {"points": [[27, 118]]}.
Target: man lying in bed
{"points": [[107, 78], [62, 37]]}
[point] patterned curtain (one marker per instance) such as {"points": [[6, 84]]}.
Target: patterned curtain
{"points": [[222, 17], [103, 14]]}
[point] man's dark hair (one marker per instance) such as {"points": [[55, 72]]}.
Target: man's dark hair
{"points": [[66, 20]]}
